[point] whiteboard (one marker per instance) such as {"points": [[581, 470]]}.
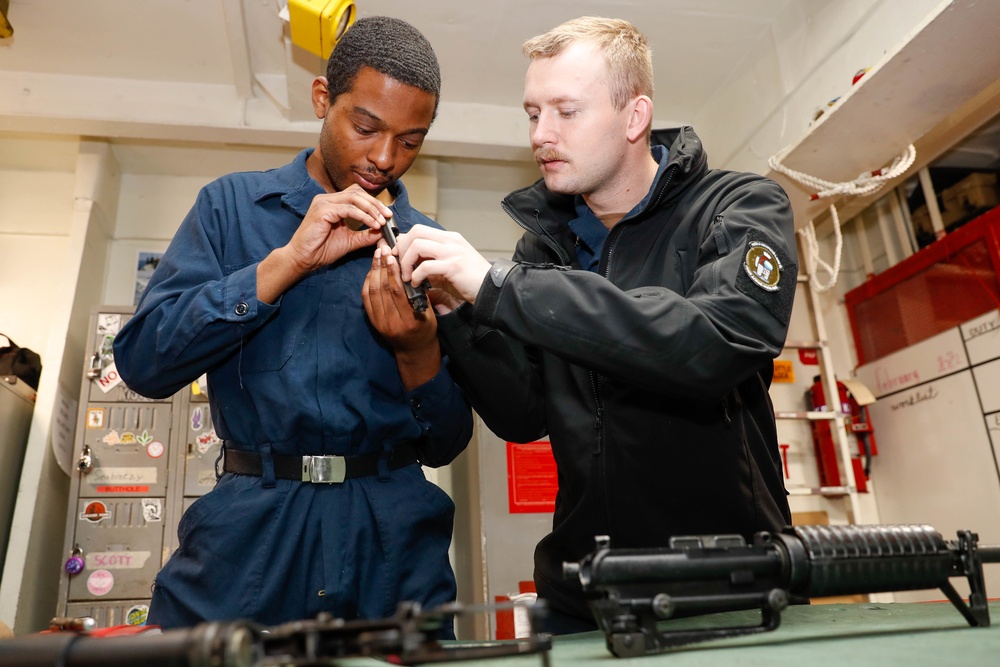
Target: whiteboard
{"points": [[988, 385], [936, 420], [982, 337], [929, 359]]}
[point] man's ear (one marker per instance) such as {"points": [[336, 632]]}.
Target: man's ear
{"points": [[640, 118], [320, 96]]}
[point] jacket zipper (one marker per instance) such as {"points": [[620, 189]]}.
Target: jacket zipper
{"points": [[613, 237], [723, 246], [595, 379], [599, 416], [721, 238]]}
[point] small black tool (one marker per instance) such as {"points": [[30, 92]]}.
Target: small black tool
{"points": [[417, 296]]}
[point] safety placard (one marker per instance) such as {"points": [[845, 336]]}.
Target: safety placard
{"points": [[783, 371], [532, 481]]}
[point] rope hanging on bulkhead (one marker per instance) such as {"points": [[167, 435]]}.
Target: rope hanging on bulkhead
{"points": [[867, 183]]}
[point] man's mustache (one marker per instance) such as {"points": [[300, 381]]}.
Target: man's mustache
{"points": [[549, 155], [375, 171]]}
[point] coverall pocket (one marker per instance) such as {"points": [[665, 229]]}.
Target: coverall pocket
{"points": [[270, 347]]}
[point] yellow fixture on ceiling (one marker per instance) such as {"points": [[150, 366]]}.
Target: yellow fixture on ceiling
{"points": [[6, 29], [316, 25]]}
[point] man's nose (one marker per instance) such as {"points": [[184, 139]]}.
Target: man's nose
{"points": [[543, 131], [382, 154]]}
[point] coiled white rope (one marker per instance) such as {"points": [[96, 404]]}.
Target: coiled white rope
{"points": [[865, 184], [813, 260]]}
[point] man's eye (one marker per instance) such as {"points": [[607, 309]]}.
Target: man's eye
{"points": [[364, 130]]}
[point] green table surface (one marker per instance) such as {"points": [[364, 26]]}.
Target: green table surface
{"points": [[856, 635]]}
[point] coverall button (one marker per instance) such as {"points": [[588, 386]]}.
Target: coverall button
{"points": [[415, 402], [241, 309]]}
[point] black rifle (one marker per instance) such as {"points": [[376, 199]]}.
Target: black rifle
{"points": [[408, 638], [631, 590], [416, 295]]}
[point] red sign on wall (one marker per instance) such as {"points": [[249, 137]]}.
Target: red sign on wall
{"points": [[532, 481], [808, 357]]}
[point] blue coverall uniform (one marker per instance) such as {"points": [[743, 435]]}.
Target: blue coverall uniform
{"points": [[307, 375]]}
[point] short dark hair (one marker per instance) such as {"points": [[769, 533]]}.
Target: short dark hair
{"points": [[387, 45]]}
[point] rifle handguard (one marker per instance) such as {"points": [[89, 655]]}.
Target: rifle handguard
{"points": [[631, 590]]}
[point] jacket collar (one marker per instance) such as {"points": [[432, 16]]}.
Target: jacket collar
{"points": [[686, 150], [291, 182]]}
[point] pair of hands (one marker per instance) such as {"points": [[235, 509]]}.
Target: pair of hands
{"points": [[340, 223], [446, 260]]}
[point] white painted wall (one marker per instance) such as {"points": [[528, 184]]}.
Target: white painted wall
{"points": [[470, 195], [150, 211], [35, 211], [27, 591]]}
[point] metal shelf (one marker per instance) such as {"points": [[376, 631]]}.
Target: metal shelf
{"points": [[805, 344], [808, 415], [826, 491]]}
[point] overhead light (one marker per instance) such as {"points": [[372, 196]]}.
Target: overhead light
{"points": [[317, 25], [6, 30]]}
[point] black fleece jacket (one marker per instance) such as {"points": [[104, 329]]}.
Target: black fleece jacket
{"points": [[650, 377]]}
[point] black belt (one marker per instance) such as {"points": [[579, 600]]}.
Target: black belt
{"points": [[318, 469]]}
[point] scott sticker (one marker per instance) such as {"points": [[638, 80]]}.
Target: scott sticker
{"points": [[763, 266]]}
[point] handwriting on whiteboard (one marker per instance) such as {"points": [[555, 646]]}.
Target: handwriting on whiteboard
{"points": [[928, 393], [981, 328], [885, 381]]}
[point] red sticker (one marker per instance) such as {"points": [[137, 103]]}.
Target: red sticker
{"points": [[96, 512]]}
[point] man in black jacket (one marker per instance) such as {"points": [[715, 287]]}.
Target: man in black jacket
{"points": [[637, 323]]}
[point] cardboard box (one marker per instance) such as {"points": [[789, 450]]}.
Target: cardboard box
{"points": [[922, 220], [973, 194]]}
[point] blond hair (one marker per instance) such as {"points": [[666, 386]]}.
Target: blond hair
{"points": [[625, 50]]}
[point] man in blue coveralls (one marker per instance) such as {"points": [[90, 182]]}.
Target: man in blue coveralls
{"points": [[322, 505]]}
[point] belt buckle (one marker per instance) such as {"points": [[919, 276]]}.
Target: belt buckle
{"points": [[324, 469]]}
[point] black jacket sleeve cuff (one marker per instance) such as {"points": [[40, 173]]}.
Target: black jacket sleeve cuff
{"points": [[489, 292]]}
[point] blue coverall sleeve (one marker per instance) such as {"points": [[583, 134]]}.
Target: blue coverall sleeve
{"points": [[195, 311], [444, 417]]}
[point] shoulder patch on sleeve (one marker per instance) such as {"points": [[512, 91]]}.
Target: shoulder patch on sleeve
{"points": [[767, 275]]}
